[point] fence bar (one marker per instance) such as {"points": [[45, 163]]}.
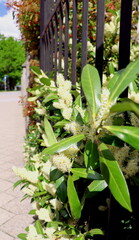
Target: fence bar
{"points": [[42, 41], [56, 43], [51, 15], [66, 39], [60, 36], [84, 32], [52, 43], [125, 33], [100, 35], [74, 42]]}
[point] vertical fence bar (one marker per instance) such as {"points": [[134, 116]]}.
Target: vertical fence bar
{"points": [[60, 35], [56, 44], [42, 42], [84, 32], [74, 42], [125, 33], [52, 42], [125, 36], [66, 52], [100, 35]]}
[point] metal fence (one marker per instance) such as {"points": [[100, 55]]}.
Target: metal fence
{"points": [[57, 23], [55, 28]]}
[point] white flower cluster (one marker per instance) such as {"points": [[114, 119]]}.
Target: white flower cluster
{"points": [[112, 27], [30, 190], [128, 160], [61, 162], [24, 174], [40, 110], [65, 98], [45, 214], [33, 235], [90, 47], [76, 128], [49, 187], [134, 96], [104, 109]]}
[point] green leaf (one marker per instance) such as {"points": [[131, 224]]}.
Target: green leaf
{"points": [[114, 177], [39, 228], [61, 124], [63, 144], [126, 77], [126, 105], [97, 186], [128, 134], [32, 212], [95, 231], [37, 194], [91, 156], [22, 236], [45, 81], [74, 202], [32, 99], [114, 79], [36, 70], [55, 174], [50, 97], [61, 189], [49, 132], [84, 173], [17, 183], [92, 88]]}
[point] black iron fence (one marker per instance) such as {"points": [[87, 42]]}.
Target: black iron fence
{"points": [[58, 23]]}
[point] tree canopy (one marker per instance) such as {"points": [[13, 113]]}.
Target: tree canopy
{"points": [[12, 56]]}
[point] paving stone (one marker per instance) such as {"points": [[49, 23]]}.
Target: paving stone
{"points": [[5, 216], [6, 174], [17, 207], [4, 236], [5, 198], [4, 185], [17, 224]]}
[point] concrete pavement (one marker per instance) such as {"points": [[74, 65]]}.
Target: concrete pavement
{"points": [[13, 212]]}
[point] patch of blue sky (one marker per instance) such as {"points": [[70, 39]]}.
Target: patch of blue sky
{"points": [[3, 9]]}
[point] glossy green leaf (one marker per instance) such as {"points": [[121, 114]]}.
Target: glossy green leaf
{"points": [[50, 97], [38, 227], [45, 81], [114, 79], [32, 99], [91, 156], [61, 123], [63, 144], [114, 177], [84, 173], [127, 105], [17, 183], [32, 212], [95, 231], [61, 188], [55, 174], [92, 87], [74, 202], [36, 70], [126, 77], [97, 186], [49, 132], [128, 134], [22, 236]]}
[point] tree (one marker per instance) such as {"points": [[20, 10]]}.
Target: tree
{"points": [[12, 56]]}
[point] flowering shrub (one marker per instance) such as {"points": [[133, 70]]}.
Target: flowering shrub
{"points": [[77, 150]]}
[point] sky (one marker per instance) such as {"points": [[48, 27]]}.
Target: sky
{"points": [[8, 27]]}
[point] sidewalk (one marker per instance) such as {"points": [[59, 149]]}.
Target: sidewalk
{"points": [[13, 213]]}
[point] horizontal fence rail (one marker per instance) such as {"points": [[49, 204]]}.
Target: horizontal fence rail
{"points": [[62, 32]]}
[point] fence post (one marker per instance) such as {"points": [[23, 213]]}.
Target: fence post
{"points": [[100, 35]]}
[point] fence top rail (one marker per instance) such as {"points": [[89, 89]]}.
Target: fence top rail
{"points": [[52, 15]]}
